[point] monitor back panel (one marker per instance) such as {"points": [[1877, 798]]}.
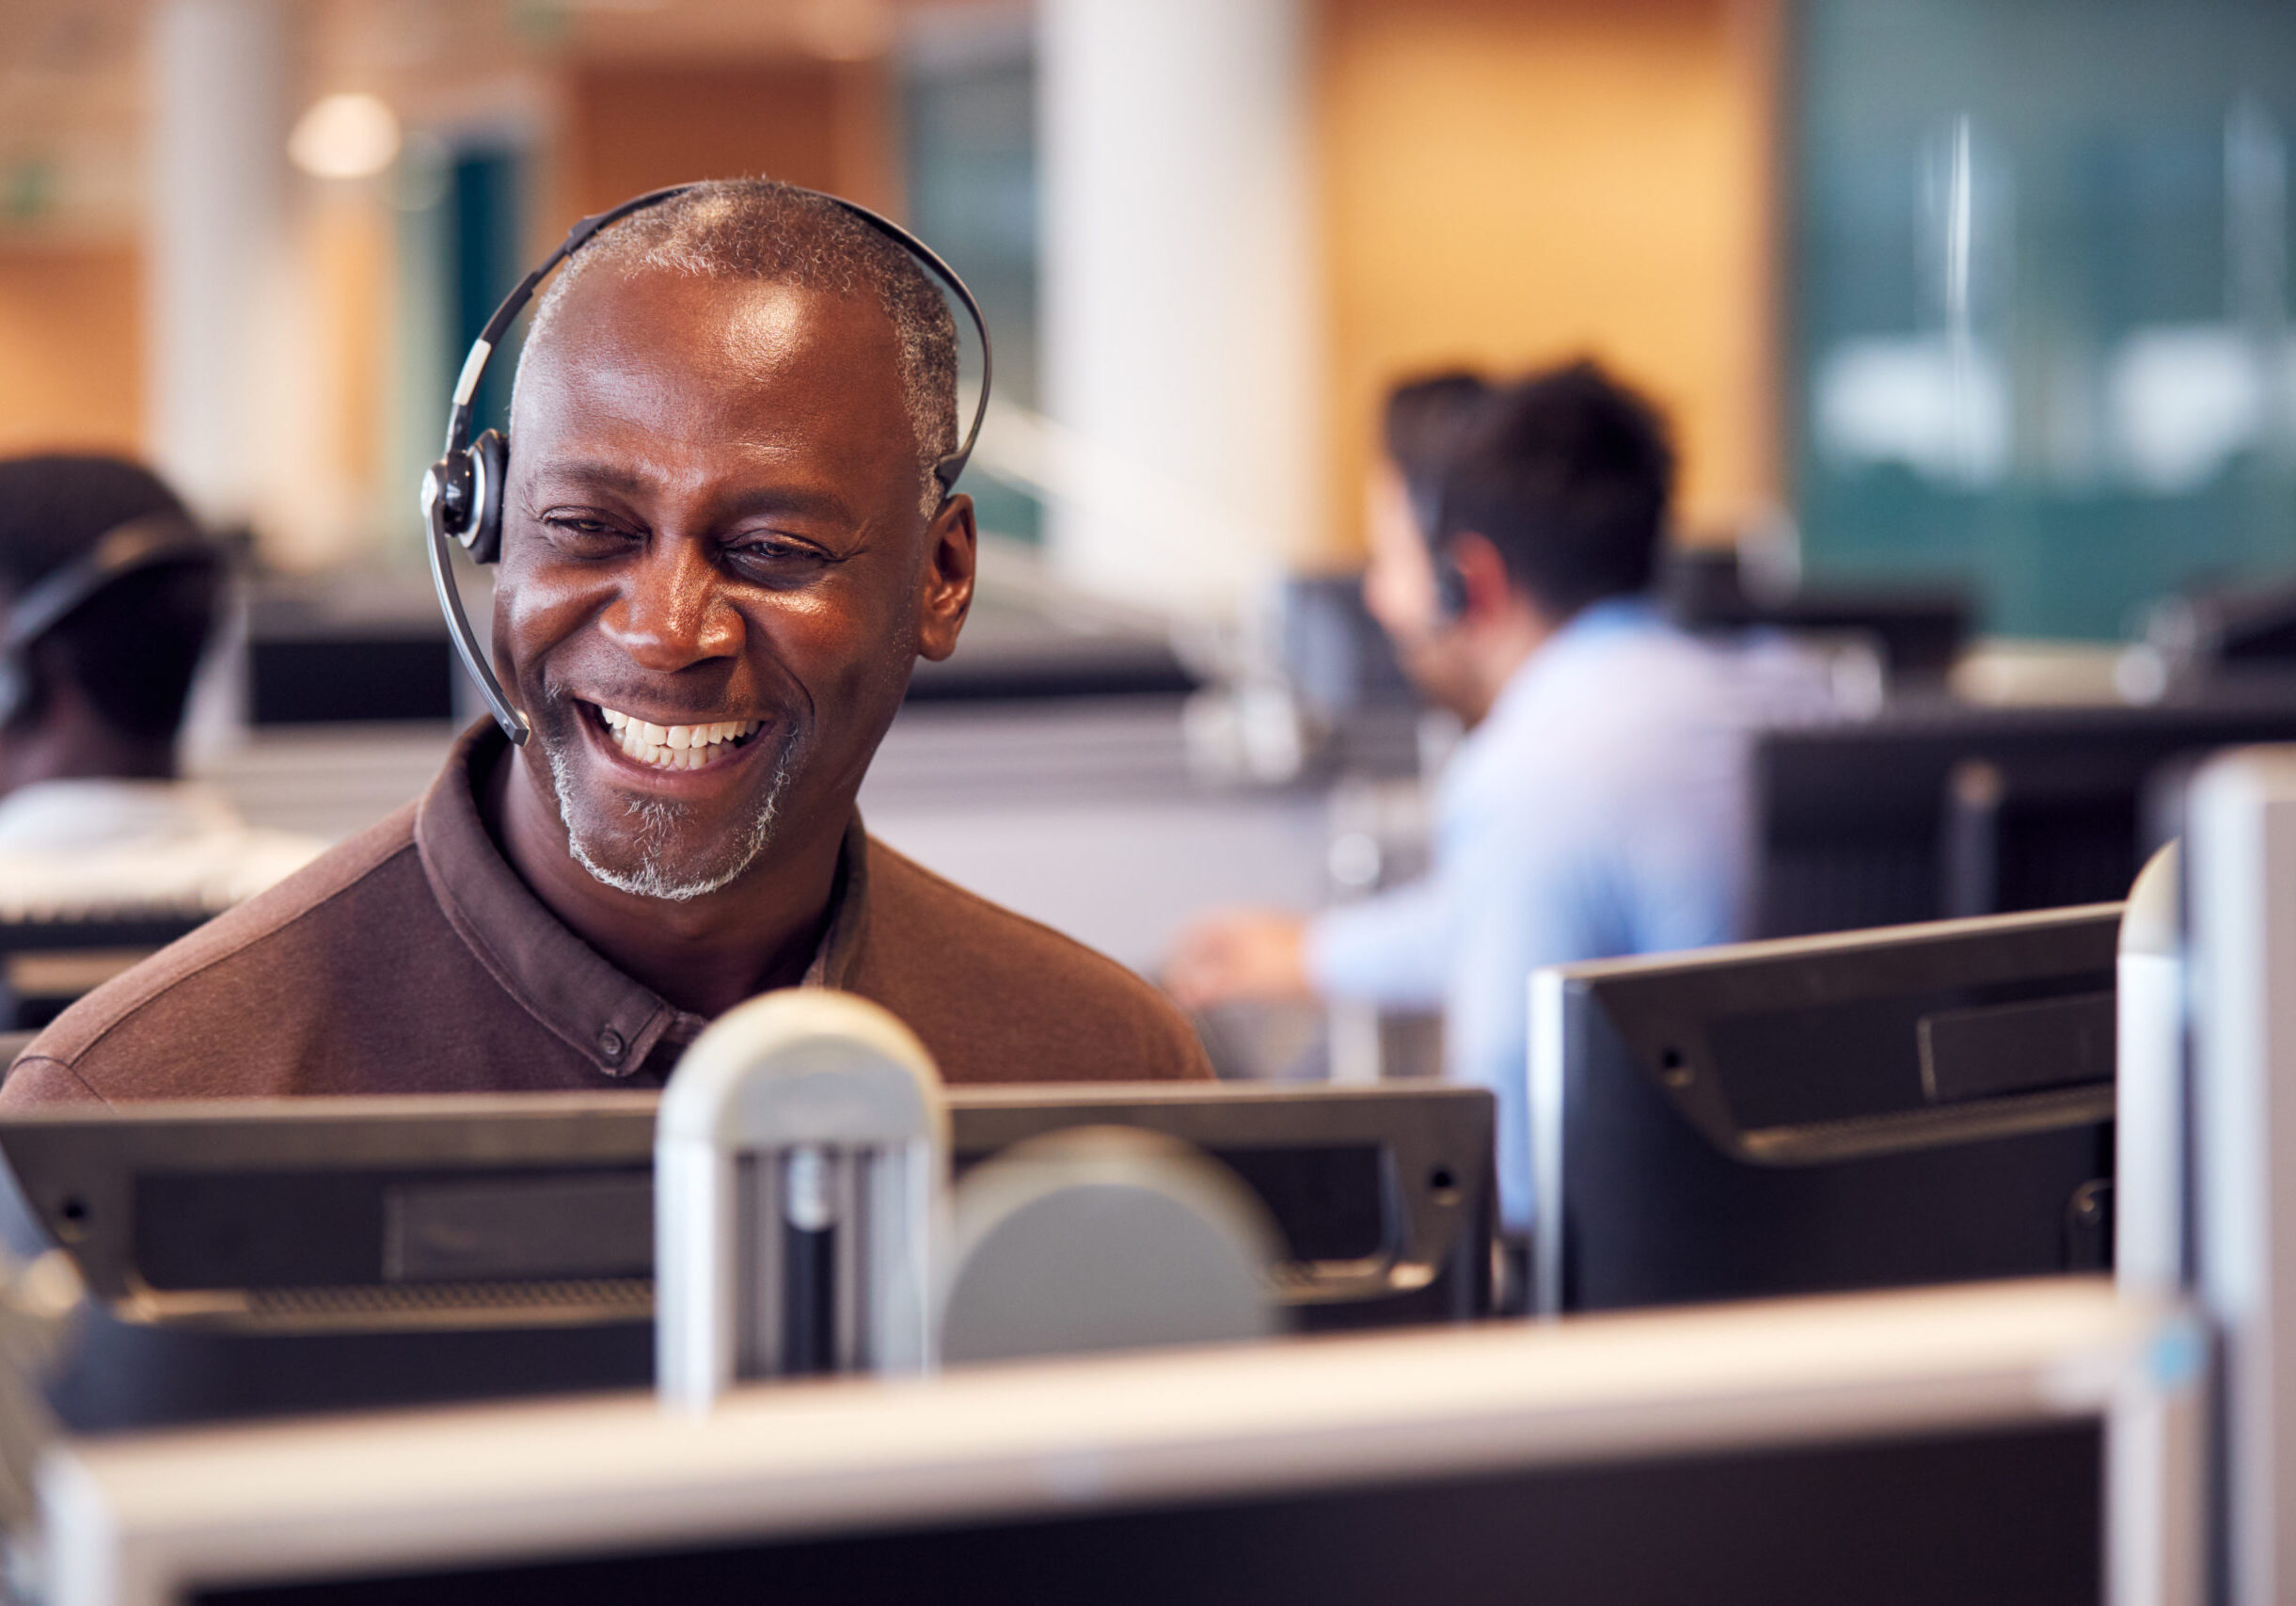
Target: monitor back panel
{"points": [[327, 1254], [1924, 1108]]}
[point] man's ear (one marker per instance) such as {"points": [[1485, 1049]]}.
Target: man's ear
{"points": [[1482, 574], [952, 553]]}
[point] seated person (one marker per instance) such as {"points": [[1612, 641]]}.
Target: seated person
{"points": [[724, 550], [1596, 806], [110, 598]]}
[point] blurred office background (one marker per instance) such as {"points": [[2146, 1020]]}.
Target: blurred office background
{"points": [[1972, 317]]}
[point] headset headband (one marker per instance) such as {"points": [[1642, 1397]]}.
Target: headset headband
{"points": [[462, 492], [140, 543], [148, 541]]}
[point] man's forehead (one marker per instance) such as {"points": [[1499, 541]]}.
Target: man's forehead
{"points": [[724, 328], [683, 380]]}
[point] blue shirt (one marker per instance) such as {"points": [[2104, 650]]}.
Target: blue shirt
{"points": [[1599, 809]]}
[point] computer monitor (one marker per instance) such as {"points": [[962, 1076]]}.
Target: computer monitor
{"points": [[268, 1256], [1338, 659], [2233, 634], [1937, 809], [1926, 1104], [1918, 631], [1973, 1446]]}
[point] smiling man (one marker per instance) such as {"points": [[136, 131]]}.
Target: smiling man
{"points": [[723, 551]]}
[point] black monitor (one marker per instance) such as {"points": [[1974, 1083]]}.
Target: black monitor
{"points": [[257, 1257], [1937, 809], [1335, 654], [2241, 633], [1918, 631], [2054, 829], [1929, 1104], [319, 652], [344, 677]]}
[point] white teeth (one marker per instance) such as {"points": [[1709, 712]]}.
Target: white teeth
{"points": [[673, 747]]}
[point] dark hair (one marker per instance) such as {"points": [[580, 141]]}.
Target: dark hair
{"points": [[133, 646], [1422, 426], [1569, 474]]}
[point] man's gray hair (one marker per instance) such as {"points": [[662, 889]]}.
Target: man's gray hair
{"points": [[758, 229]]}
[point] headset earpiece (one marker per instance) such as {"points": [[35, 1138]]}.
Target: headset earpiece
{"points": [[1450, 584], [490, 462], [462, 493], [1426, 502]]}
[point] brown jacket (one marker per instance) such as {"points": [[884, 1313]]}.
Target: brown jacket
{"points": [[412, 959]]}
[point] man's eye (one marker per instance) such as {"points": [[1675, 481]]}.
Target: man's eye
{"points": [[580, 527], [777, 554]]}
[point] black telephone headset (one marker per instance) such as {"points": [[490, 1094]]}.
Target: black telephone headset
{"points": [[1426, 500], [151, 541], [462, 492]]}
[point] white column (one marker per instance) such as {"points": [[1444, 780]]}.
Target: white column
{"points": [[1180, 307], [216, 175]]}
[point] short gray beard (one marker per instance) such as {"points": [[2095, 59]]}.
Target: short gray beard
{"points": [[657, 820]]}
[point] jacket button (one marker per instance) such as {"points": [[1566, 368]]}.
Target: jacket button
{"points": [[610, 1043]]}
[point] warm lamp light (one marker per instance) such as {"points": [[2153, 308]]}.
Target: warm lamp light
{"points": [[345, 136]]}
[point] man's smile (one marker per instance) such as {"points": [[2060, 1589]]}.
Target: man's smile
{"points": [[672, 746], [663, 808]]}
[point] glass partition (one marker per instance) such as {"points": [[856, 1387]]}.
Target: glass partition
{"points": [[2041, 298]]}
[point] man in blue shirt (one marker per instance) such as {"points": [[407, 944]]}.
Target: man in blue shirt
{"points": [[1596, 806]]}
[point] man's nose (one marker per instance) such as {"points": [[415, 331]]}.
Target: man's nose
{"points": [[672, 611]]}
